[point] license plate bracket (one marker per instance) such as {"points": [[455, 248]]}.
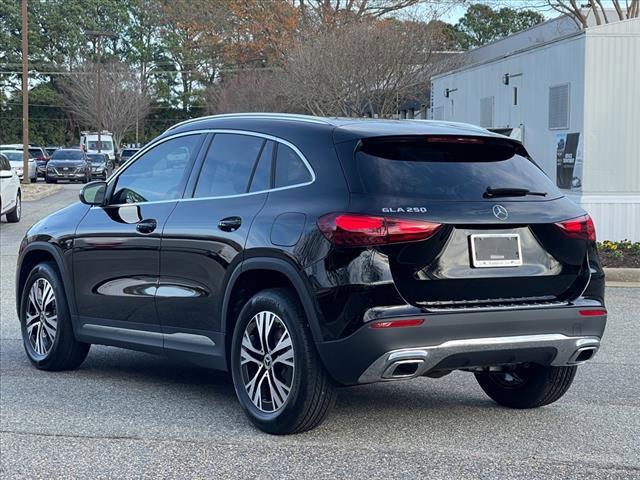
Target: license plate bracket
{"points": [[489, 250]]}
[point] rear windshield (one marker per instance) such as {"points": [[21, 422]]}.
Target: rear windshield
{"points": [[128, 153], [460, 168], [67, 155]]}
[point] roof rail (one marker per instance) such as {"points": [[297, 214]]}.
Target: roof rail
{"points": [[276, 116]]}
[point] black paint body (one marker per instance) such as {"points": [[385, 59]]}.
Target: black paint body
{"points": [[177, 289]]}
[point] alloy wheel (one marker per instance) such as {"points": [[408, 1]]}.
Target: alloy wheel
{"points": [[267, 361], [41, 320], [18, 206]]}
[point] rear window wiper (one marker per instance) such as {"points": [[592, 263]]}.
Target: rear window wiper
{"points": [[510, 192]]}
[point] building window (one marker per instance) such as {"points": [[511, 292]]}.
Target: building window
{"points": [[559, 107], [486, 112], [515, 95]]}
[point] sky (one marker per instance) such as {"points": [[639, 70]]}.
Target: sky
{"points": [[454, 11]]}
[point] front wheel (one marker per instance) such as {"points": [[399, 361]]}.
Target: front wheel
{"points": [[278, 376], [47, 332], [529, 386]]}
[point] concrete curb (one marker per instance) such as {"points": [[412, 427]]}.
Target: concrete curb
{"points": [[622, 277], [37, 191]]}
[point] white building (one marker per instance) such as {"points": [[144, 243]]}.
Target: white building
{"points": [[573, 97]]}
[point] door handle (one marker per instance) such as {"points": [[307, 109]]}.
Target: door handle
{"points": [[146, 226], [230, 224]]}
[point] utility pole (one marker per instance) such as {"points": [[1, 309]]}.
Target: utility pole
{"points": [[25, 93], [97, 37]]}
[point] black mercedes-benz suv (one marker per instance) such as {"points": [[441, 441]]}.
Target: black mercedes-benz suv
{"points": [[303, 253]]}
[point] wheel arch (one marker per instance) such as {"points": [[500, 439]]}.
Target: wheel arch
{"points": [[281, 273], [38, 252]]}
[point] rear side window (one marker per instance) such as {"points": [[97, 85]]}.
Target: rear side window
{"points": [[441, 168], [228, 165], [290, 169]]}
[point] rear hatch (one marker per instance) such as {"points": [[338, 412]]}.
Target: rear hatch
{"points": [[500, 238]]}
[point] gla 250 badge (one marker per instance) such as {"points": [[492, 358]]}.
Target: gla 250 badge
{"points": [[404, 210]]}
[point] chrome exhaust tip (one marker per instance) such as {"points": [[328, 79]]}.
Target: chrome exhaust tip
{"points": [[407, 364], [403, 369], [582, 355]]}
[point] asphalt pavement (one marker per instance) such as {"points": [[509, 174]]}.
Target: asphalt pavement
{"points": [[125, 414]]}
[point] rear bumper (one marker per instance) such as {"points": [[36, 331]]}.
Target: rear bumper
{"points": [[465, 339]]}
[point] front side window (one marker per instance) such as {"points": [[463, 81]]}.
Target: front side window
{"points": [[228, 165], [290, 169], [160, 174], [4, 163]]}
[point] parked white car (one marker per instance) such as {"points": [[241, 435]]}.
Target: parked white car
{"points": [[15, 159], [10, 199]]}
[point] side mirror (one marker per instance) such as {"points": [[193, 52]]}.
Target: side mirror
{"points": [[93, 193]]}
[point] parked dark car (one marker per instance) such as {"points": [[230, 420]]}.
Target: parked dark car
{"points": [[126, 154], [50, 150], [101, 165], [304, 253], [68, 164]]}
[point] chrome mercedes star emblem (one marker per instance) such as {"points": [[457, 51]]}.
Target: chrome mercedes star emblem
{"points": [[500, 212]]}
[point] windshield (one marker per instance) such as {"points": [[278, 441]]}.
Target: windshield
{"points": [[93, 145], [13, 156], [67, 155], [441, 168], [96, 158], [127, 152]]}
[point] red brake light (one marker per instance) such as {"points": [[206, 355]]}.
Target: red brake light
{"points": [[581, 227], [409, 322], [451, 139], [348, 229]]}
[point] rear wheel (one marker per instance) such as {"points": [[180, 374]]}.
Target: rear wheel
{"points": [[47, 333], [14, 215], [278, 377], [528, 386]]}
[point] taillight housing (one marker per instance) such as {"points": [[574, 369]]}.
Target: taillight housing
{"points": [[581, 227], [353, 230]]}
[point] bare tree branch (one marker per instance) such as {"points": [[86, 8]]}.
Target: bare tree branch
{"points": [[123, 102]]}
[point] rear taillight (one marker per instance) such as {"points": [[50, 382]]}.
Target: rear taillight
{"points": [[351, 230], [581, 227]]}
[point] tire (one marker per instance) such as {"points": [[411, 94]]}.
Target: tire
{"points": [[34, 179], [527, 387], [47, 179], [14, 215], [64, 352], [312, 392]]}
